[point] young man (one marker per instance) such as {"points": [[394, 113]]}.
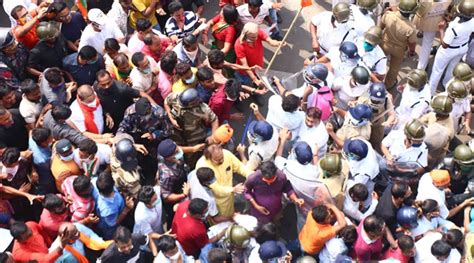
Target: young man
{"points": [[125, 248]]}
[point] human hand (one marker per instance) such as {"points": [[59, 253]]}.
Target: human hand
{"points": [[308, 90], [26, 154], [299, 202], [285, 134], [147, 136], [42, 11], [329, 127], [199, 147], [238, 188], [91, 219], [261, 91], [259, 83], [240, 148], [109, 121], [262, 210], [31, 198], [238, 116], [141, 149], [468, 202], [243, 95], [174, 123], [34, 178], [186, 188], [129, 202], [254, 107], [315, 46], [25, 188]]}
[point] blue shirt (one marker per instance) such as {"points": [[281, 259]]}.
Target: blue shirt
{"points": [[73, 30], [108, 210], [82, 74], [41, 155], [203, 93]]}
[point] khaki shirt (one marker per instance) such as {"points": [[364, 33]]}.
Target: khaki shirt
{"points": [[430, 14], [349, 131], [430, 118], [398, 31], [378, 109]]}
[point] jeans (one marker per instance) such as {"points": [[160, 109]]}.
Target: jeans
{"points": [[243, 78], [274, 17]]}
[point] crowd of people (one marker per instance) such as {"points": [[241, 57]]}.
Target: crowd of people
{"points": [[117, 145]]}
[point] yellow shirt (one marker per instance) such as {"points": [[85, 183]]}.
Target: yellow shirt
{"points": [[59, 166], [222, 188], [141, 5], [179, 85]]}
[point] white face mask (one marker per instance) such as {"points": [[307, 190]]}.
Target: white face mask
{"points": [[191, 54], [175, 257], [190, 80], [67, 158], [92, 104], [10, 171]]}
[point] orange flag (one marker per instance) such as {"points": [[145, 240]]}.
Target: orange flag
{"points": [[305, 3]]}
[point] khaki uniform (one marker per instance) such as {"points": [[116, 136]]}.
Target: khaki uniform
{"points": [[193, 121], [348, 131], [377, 132], [438, 135], [336, 184], [398, 32]]}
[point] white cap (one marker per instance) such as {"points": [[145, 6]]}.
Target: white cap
{"points": [[97, 16]]}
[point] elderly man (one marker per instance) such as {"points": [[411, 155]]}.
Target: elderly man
{"points": [[224, 164]]}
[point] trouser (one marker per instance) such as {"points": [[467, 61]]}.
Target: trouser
{"points": [[446, 58], [426, 45], [274, 17], [397, 54]]}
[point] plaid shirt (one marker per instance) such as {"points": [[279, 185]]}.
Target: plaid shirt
{"points": [[172, 176], [157, 123]]}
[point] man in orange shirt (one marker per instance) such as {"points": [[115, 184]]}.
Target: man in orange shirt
{"points": [[25, 30], [318, 228]]}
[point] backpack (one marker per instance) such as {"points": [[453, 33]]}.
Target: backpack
{"points": [[323, 101]]}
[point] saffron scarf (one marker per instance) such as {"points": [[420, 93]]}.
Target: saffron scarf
{"points": [[89, 115]]}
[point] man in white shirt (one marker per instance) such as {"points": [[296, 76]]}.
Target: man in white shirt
{"points": [[283, 112], [313, 131], [92, 157], [432, 249], [100, 29], [350, 88], [171, 251], [372, 55], [142, 75], [432, 186], [263, 141], [256, 11], [353, 199], [30, 105], [86, 111], [135, 43]]}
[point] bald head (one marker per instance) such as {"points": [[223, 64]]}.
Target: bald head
{"points": [[69, 232], [214, 153], [86, 94]]}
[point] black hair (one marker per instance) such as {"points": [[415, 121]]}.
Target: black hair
{"points": [[10, 156], [290, 103], [52, 201], [53, 75], [314, 113], [453, 237], [5, 90], [440, 248], [112, 43], [182, 68], [266, 232], [219, 255], [143, 25], [406, 243], [122, 235], [40, 135], [359, 192], [174, 6], [399, 190], [105, 183], [4, 257], [230, 13], [168, 61], [57, 7], [17, 229], [197, 206], [120, 58], [145, 194], [349, 235], [320, 213], [148, 39], [88, 146], [102, 73], [189, 40], [205, 175], [81, 184], [87, 53], [15, 10], [429, 206], [268, 169], [257, 3], [204, 73], [61, 112], [215, 57], [232, 87], [374, 224], [137, 57], [27, 86], [166, 243]]}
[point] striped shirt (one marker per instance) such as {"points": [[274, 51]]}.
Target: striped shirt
{"points": [[190, 23], [80, 207]]}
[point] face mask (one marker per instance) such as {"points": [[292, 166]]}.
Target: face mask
{"points": [[190, 80], [67, 158], [416, 145], [175, 257], [147, 70], [92, 62], [179, 155], [364, 11], [229, 99], [204, 217], [465, 169], [292, 156], [343, 57], [157, 202], [191, 54], [368, 47], [10, 171], [254, 138], [91, 104], [269, 181]]}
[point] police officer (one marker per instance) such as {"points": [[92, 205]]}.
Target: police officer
{"points": [[454, 44], [398, 34], [330, 29], [415, 99], [124, 165], [239, 242], [407, 217], [332, 175], [356, 125], [383, 112], [342, 60], [463, 72], [406, 146], [461, 113], [263, 141], [190, 118], [427, 18], [363, 164], [315, 76], [349, 88], [372, 55], [461, 169], [363, 16]]}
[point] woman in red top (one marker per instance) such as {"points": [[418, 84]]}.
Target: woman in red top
{"points": [[224, 31]]}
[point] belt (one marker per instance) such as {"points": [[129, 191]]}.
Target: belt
{"points": [[454, 47]]}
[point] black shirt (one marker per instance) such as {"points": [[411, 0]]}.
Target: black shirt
{"points": [[16, 135], [387, 210], [115, 100], [43, 56], [188, 4], [112, 255]]}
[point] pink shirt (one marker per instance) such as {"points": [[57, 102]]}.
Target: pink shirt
{"points": [[164, 84], [364, 251], [50, 222], [157, 55], [396, 254], [80, 207]]}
